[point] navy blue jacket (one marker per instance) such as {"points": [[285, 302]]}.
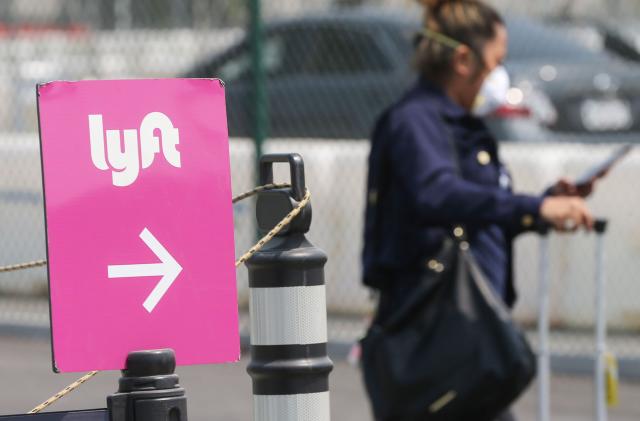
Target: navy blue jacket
{"points": [[419, 187]]}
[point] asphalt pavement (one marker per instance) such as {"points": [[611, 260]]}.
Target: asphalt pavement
{"points": [[224, 392]]}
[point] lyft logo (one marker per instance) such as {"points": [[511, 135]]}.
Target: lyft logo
{"points": [[125, 153]]}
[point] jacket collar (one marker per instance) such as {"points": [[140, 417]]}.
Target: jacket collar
{"points": [[445, 105]]}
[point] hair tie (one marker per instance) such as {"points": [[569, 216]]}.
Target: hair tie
{"points": [[441, 38]]}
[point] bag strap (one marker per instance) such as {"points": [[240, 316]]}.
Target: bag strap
{"points": [[459, 231], [399, 316]]}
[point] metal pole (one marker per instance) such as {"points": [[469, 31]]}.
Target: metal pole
{"points": [[259, 103], [544, 366], [122, 9], [601, 325], [149, 389], [289, 363]]}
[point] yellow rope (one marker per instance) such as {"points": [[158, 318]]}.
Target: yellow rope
{"points": [[73, 386], [258, 190], [283, 223], [27, 265]]}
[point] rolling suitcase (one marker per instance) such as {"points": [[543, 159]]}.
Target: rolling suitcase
{"points": [[604, 370]]}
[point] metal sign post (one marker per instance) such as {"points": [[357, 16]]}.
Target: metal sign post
{"points": [[289, 363]]}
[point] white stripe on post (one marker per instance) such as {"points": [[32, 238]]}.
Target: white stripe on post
{"points": [[288, 315], [309, 407]]}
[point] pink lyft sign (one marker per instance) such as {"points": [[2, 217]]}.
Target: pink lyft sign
{"points": [[139, 221]]}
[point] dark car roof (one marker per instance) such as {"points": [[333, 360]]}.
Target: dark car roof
{"points": [[536, 50], [353, 15], [529, 39]]}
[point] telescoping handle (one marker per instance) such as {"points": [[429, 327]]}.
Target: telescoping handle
{"points": [[600, 227], [601, 324], [544, 352], [296, 166]]}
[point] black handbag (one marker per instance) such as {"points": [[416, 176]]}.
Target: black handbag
{"points": [[451, 352]]}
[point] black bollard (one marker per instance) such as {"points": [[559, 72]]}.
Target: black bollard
{"points": [[149, 389], [289, 363]]}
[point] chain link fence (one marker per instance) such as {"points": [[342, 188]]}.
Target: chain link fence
{"points": [[331, 66]]}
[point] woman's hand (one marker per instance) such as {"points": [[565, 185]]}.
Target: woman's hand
{"points": [[566, 213], [565, 187]]}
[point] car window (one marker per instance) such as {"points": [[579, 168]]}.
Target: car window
{"points": [[308, 51], [529, 40], [336, 51], [237, 66]]}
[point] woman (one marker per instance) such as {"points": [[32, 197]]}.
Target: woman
{"points": [[434, 164]]}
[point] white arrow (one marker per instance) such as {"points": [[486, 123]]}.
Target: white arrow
{"points": [[169, 269]]}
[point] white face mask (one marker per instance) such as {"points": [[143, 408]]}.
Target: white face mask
{"points": [[493, 92]]}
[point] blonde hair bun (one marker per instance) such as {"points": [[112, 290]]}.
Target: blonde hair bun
{"points": [[436, 4]]}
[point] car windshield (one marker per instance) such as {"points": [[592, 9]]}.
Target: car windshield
{"points": [[532, 41]]}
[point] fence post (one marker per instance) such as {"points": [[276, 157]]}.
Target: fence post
{"points": [[258, 111], [149, 389], [289, 364]]}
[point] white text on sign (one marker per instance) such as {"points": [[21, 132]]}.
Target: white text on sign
{"points": [[125, 158]]}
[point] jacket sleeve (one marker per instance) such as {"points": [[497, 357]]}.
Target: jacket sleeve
{"points": [[428, 175]]}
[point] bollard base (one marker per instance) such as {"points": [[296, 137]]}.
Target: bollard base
{"points": [[149, 389]]}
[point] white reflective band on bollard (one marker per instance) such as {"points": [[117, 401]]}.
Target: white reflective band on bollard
{"points": [[288, 316], [309, 407]]}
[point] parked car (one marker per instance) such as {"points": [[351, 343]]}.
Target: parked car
{"points": [[623, 39], [571, 91], [618, 38], [329, 76]]}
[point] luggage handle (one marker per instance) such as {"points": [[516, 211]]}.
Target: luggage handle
{"points": [[600, 226], [543, 228]]}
